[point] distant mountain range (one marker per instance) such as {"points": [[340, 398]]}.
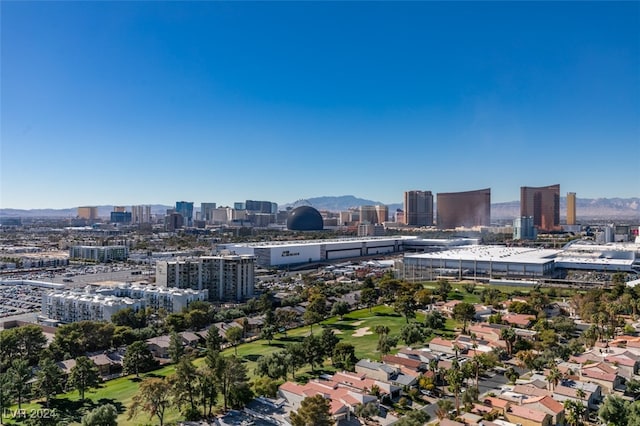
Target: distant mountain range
{"points": [[598, 208], [604, 208]]}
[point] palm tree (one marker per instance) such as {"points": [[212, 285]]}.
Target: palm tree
{"points": [[509, 336], [573, 412], [455, 378], [580, 393], [444, 406], [553, 378]]}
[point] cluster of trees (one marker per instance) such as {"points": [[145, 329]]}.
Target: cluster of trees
{"points": [[313, 350], [615, 411], [195, 391], [21, 382], [605, 309]]}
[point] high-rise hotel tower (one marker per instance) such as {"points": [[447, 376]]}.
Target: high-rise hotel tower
{"points": [[571, 208], [543, 203], [418, 208]]}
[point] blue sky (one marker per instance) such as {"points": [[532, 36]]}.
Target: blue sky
{"points": [[154, 102]]}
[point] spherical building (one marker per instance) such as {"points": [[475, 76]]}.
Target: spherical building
{"points": [[304, 218]]}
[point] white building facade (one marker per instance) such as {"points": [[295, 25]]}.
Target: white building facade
{"points": [[99, 253], [72, 306]]}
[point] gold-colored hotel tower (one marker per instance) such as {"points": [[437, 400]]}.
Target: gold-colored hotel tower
{"points": [[571, 208]]}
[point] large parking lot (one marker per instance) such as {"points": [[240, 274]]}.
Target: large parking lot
{"points": [[20, 299]]}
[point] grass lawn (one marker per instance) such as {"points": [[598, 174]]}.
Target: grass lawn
{"points": [[118, 392], [353, 328]]}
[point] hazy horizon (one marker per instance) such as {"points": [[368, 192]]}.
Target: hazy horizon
{"points": [[197, 203]]}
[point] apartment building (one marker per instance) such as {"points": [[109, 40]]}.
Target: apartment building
{"points": [[72, 305], [226, 277], [101, 254]]}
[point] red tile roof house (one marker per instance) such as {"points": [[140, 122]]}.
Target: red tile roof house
{"points": [[530, 391], [519, 320], [447, 308], [626, 362], [361, 383], [484, 331], [522, 414], [343, 400], [496, 403], [548, 405], [440, 345], [602, 374], [408, 363]]}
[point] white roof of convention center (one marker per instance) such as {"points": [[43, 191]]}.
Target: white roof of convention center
{"points": [[495, 254], [318, 242]]}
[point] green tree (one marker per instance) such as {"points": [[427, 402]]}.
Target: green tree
{"points": [[196, 319], [405, 305], [633, 415], [48, 380], [554, 377], [231, 377], [234, 336], [19, 376], [455, 379], [614, 410], [386, 343], [206, 388], [413, 418], [573, 412], [443, 289], [76, 339], [25, 342], [314, 350], [176, 322], [296, 357], [267, 333], [273, 365], [340, 308], [103, 415], [84, 375], [213, 339], [444, 407], [367, 411], [344, 356], [129, 318], [369, 297], [509, 336], [123, 336], [434, 320], [153, 397], [316, 310], [464, 312], [328, 341], [469, 287], [176, 348], [184, 386], [138, 359], [313, 411], [5, 393], [411, 334], [265, 386]]}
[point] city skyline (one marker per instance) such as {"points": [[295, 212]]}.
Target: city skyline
{"points": [[133, 103]]}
